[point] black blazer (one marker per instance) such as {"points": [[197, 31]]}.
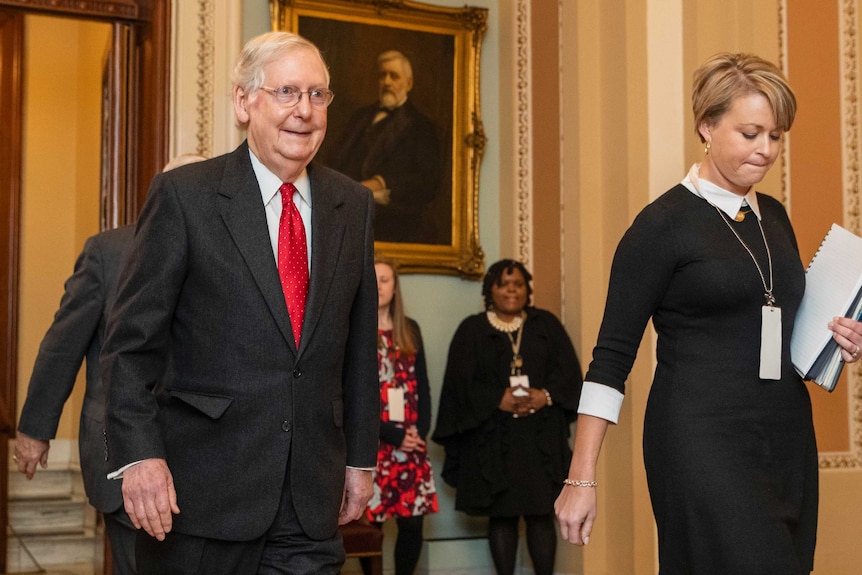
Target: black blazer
{"points": [[77, 332], [201, 301]]}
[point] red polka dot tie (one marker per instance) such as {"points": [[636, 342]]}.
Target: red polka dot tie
{"points": [[292, 259]]}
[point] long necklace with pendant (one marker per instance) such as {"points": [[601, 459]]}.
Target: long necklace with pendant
{"points": [[767, 289], [517, 360], [771, 334], [509, 328]]}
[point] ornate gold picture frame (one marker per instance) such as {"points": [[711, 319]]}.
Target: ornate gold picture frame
{"points": [[422, 156]]}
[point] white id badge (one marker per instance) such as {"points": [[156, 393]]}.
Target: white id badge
{"points": [[395, 399], [519, 381], [770, 343]]}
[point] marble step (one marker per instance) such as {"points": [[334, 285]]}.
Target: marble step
{"points": [[51, 516], [51, 483], [52, 550]]}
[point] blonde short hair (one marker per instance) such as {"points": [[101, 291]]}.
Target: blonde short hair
{"points": [[725, 77]]}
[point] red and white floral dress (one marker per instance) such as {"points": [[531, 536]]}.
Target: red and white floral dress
{"points": [[403, 482]]}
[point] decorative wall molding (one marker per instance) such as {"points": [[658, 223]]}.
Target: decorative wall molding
{"points": [[205, 70], [524, 203], [850, 113], [849, 70], [782, 63]]}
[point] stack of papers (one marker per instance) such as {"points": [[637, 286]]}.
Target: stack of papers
{"points": [[833, 282]]}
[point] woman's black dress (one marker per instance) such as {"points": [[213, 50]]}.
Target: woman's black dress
{"points": [[731, 459], [504, 466]]}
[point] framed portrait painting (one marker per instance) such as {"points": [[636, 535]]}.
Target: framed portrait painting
{"points": [[405, 120]]}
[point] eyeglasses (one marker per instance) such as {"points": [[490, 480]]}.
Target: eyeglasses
{"points": [[290, 96]]}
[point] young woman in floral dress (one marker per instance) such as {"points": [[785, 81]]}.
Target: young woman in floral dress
{"points": [[403, 485]]}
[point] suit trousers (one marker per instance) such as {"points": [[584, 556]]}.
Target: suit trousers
{"points": [[284, 549], [122, 534]]}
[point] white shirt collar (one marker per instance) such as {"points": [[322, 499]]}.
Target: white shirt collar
{"points": [[725, 200], [270, 183]]}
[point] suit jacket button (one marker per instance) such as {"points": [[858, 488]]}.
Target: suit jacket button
{"points": [[285, 426], [297, 373]]}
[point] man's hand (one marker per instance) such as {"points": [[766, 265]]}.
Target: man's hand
{"points": [[149, 496], [357, 491], [29, 452]]}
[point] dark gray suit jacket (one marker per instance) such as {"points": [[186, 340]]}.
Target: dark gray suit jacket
{"points": [[201, 302], [77, 332]]}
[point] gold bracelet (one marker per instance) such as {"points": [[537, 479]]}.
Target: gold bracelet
{"points": [[574, 483], [548, 398]]}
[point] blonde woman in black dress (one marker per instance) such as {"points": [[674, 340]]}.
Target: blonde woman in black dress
{"points": [[729, 442]]}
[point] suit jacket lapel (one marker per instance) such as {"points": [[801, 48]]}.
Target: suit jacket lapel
{"points": [[243, 213], [326, 239]]}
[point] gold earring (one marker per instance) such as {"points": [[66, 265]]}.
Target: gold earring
{"points": [[706, 148]]}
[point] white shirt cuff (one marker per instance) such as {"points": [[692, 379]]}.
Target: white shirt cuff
{"points": [[118, 474], [600, 401]]}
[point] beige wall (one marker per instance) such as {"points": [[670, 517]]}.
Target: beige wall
{"points": [[60, 197]]}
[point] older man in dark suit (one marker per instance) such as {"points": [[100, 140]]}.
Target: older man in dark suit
{"points": [[251, 286], [77, 332]]}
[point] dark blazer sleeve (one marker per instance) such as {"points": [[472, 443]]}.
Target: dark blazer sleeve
{"points": [[423, 388], [134, 354], [65, 345], [469, 397], [360, 379], [392, 434]]}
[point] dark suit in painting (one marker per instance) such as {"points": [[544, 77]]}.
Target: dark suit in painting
{"points": [[243, 418], [75, 334], [404, 149]]}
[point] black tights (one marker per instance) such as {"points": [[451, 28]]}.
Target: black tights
{"points": [[541, 543], [408, 545]]}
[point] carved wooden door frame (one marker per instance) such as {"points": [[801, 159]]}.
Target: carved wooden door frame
{"points": [[135, 133]]}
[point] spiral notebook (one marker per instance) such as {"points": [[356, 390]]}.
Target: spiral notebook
{"points": [[833, 287]]}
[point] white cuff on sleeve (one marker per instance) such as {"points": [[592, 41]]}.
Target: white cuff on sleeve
{"points": [[600, 401], [118, 474]]}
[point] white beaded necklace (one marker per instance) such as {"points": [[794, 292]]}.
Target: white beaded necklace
{"points": [[505, 327]]}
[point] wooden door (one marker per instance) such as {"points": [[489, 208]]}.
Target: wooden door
{"points": [[134, 147]]}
